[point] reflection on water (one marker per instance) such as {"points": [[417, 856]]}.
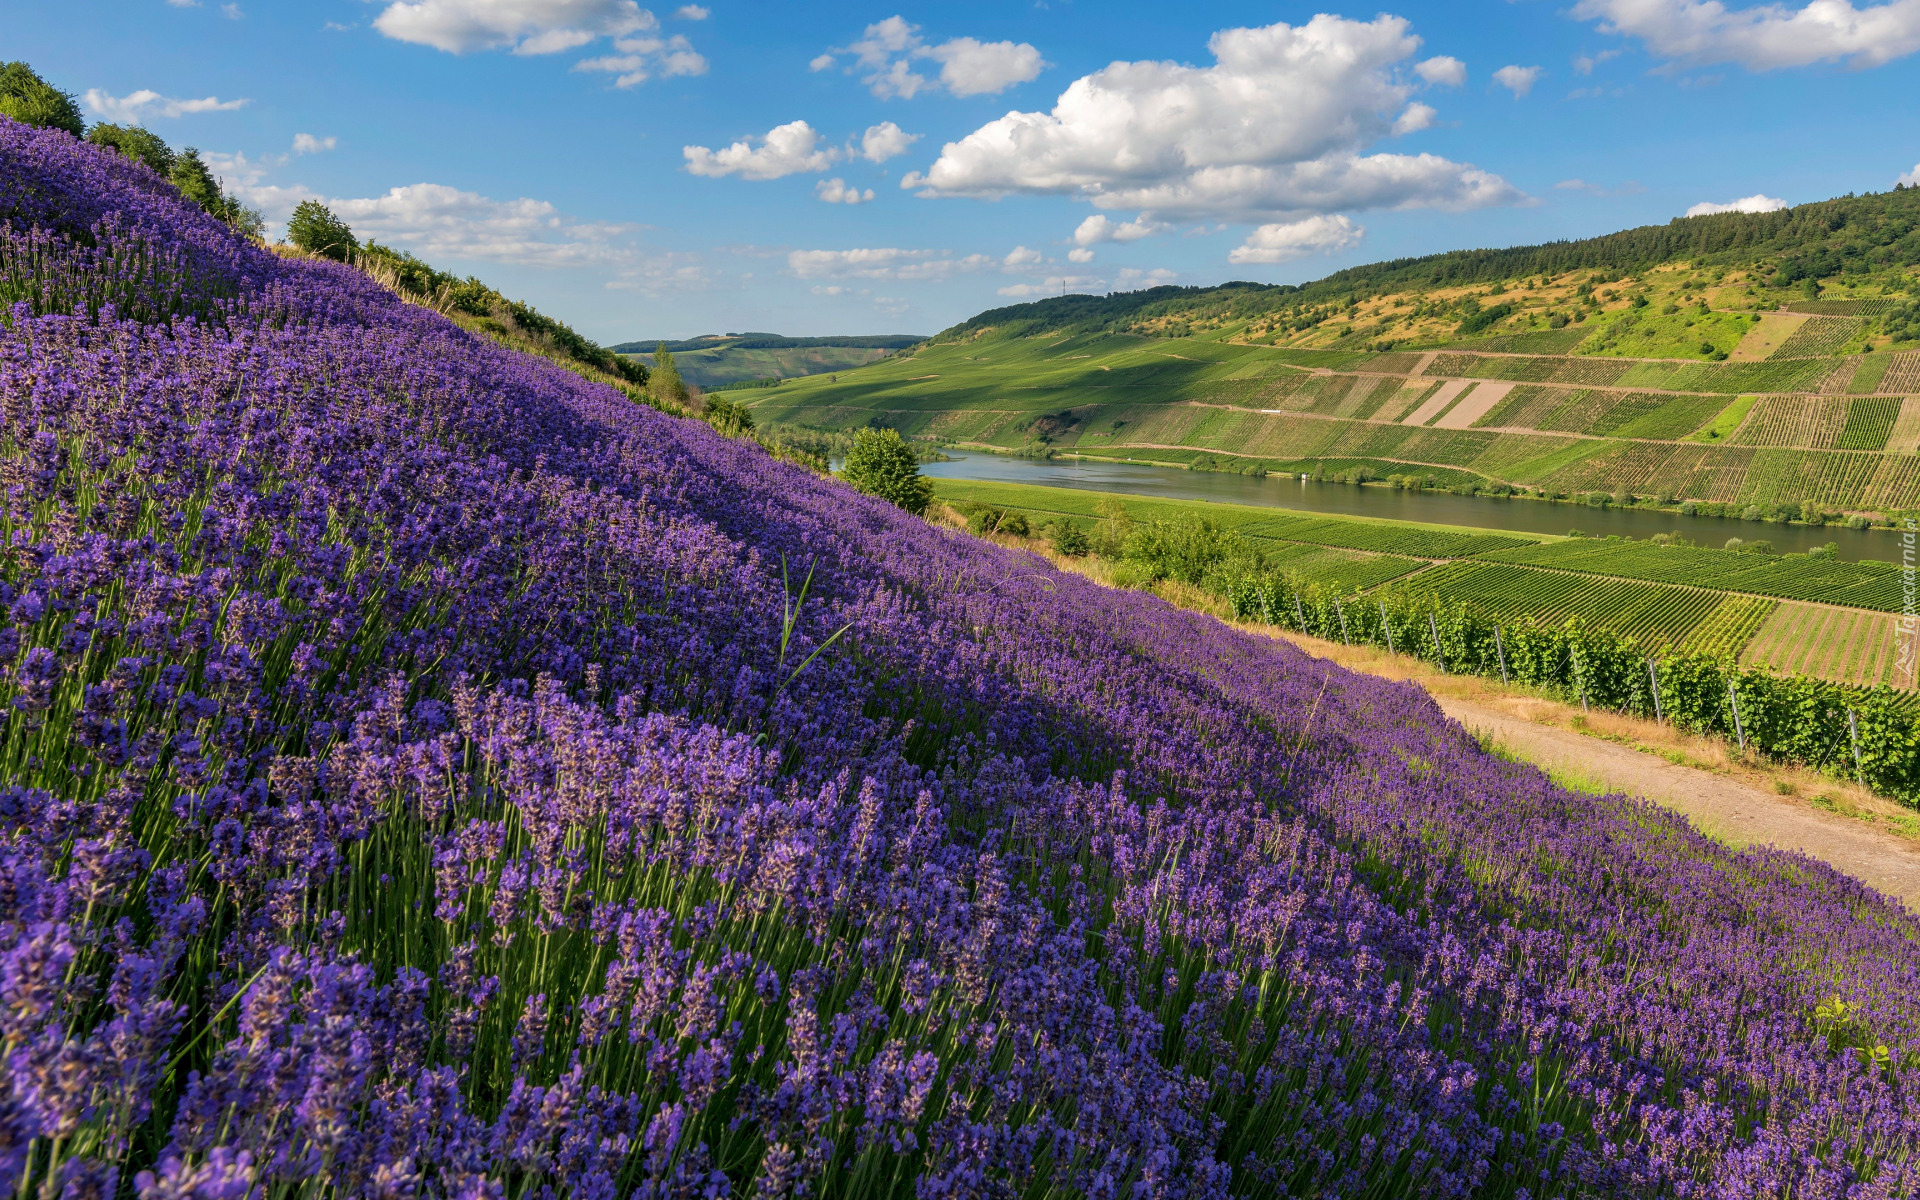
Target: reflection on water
{"points": [[1484, 512]]}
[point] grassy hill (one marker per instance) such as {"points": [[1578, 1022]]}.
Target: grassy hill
{"points": [[729, 360], [1764, 361]]}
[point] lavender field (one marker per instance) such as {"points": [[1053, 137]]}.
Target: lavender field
{"points": [[430, 774]]}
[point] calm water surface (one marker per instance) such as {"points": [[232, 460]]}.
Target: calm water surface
{"points": [[1484, 512]]}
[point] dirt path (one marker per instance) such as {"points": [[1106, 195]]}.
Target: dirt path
{"points": [[1741, 802], [1728, 809]]}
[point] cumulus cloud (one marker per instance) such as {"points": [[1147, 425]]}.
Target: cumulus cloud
{"points": [[883, 263], [447, 222], [1053, 285], [1081, 254], [549, 27], [642, 57], [1275, 128], [1134, 277], [1297, 239], [136, 108], [1445, 71], [1101, 228], [306, 143], [1417, 117], [884, 141], [886, 55], [1583, 64], [1766, 36], [692, 12], [836, 191], [1019, 257], [523, 26], [790, 149], [1518, 80], [1911, 178], [1747, 204]]}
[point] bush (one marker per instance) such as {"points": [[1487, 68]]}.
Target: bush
{"points": [[728, 416], [31, 100], [882, 465], [1068, 539], [1187, 549], [141, 145], [315, 229]]}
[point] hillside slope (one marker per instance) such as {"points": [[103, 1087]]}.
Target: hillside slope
{"points": [[428, 773], [724, 361], [1715, 379]]}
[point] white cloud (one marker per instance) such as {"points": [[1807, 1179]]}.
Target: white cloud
{"points": [[1133, 276], [1275, 128], [1584, 64], [1748, 204], [231, 12], [446, 222], [887, 51], [883, 263], [184, 3], [1763, 37], [145, 104], [1101, 228], [1019, 257], [1911, 178], [1518, 80], [836, 191], [828, 290], [1052, 286], [1417, 117], [548, 27], [306, 143], [1080, 254], [1445, 71], [642, 57], [524, 26], [884, 141], [692, 12], [1298, 239], [789, 149], [975, 68], [1629, 188]]}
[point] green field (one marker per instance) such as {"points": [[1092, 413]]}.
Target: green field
{"points": [[1655, 614], [1870, 585], [1712, 601]]}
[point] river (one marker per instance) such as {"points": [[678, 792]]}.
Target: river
{"points": [[1444, 508]]}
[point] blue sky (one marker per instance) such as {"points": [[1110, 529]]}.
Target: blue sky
{"points": [[674, 171]]}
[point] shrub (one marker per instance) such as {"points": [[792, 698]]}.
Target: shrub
{"points": [[315, 229], [667, 383], [1187, 549], [1068, 539], [31, 100], [729, 416], [882, 465]]}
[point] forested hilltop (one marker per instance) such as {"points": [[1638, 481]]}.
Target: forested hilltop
{"points": [[1866, 243], [1758, 366]]}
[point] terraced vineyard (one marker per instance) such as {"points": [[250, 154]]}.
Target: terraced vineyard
{"points": [[1730, 626], [1657, 615], [1870, 585], [1831, 643]]}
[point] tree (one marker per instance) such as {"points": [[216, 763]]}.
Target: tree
{"points": [[882, 465], [315, 229], [667, 383], [141, 145], [31, 100], [195, 181]]}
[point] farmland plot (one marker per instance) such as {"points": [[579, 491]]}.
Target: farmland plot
{"points": [[1816, 337], [1903, 375], [1843, 645], [1811, 422], [1656, 614]]}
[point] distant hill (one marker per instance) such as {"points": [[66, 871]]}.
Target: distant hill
{"points": [[726, 360], [1864, 241], [1766, 364]]}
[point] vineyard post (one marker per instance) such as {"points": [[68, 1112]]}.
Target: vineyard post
{"points": [[1579, 677], [1266, 604], [1344, 639], [1502, 650], [1438, 653], [1653, 677], [1739, 731], [1301, 616], [1853, 731], [1388, 626]]}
